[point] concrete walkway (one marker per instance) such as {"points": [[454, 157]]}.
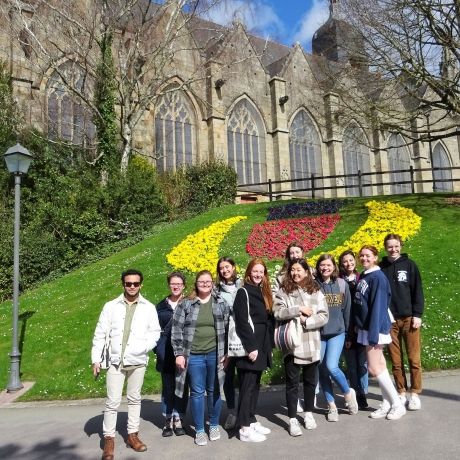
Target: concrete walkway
{"points": [[71, 430]]}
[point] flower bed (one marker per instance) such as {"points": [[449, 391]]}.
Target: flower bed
{"points": [[270, 239], [383, 218], [308, 208], [199, 251]]}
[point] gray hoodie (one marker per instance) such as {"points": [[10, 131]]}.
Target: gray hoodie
{"points": [[338, 300]]}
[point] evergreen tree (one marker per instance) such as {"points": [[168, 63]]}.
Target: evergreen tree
{"points": [[104, 99]]}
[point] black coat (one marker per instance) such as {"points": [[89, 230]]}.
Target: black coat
{"points": [[261, 338], [166, 361]]}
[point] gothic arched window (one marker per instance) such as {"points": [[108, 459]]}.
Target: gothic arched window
{"points": [[246, 143], [304, 151], [68, 116], [398, 164], [355, 158], [175, 135], [443, 178]]}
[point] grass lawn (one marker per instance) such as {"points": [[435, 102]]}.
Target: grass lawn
{"points": [[57, 319]]}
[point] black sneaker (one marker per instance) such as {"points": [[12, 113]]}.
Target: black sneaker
{"points": [[362, 402], [167, 430], [178, 430]]}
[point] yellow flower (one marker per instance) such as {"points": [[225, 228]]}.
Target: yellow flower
{"points": [[384, 218], [199, 251]]}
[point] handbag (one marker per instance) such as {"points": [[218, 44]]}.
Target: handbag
{"points": [[288, 335], [235, 346], [105, 355]]}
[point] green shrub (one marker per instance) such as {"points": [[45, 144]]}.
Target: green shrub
{"points": [[193, 189], [212, 184]]}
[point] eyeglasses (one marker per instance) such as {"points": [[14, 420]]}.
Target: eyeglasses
{"points": [[176, 284], [204, 283], [131, 284]]}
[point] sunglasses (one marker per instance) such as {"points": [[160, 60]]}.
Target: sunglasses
{"points": [[131, 284]]}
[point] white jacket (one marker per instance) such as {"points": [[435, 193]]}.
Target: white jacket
{"points": [[144, 334]]}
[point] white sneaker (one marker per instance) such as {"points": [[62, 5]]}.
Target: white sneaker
{"points": [[414, 402], [310, 423], [352, 404], [402, 398], [382, 411], [200, 439], [251, 436], [214, 433], [256, 426], [299, 406], [396, 412], [294, 427]]}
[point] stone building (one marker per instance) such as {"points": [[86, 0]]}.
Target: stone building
{"points": [[269, 110]]}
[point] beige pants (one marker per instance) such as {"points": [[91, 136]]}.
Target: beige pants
{"points": [[115, 381]]}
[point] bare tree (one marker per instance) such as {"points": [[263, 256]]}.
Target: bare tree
{"points": [[403, 62], [151, 44]]}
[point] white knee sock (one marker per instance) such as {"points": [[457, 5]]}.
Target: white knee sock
{"points": [[388, 389], [385, 398]]}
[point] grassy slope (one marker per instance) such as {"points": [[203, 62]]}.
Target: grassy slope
{"points": [[59, 317]]}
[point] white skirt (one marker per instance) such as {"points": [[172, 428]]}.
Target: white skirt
{"points": [[384, 339]]}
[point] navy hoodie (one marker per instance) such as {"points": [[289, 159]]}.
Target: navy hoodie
{"points": [[406, 286]]}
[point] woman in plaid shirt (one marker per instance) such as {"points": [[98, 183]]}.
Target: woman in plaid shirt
{"points": [[198, 340]]}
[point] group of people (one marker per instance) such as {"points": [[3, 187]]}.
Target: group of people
{"points": [[337, 310]]}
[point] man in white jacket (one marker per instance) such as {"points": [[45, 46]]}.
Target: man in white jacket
{"points": [[129, 327]]}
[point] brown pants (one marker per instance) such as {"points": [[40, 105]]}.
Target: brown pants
{"points": [[403, 331]]}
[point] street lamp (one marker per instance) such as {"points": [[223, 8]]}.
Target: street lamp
{"points": [[428, 128], [17, 160]]}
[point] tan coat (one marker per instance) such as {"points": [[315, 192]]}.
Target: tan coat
{"points": [[287, 306]]}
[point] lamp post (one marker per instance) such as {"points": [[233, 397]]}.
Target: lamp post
{"points": [[17, 160], [428, 127]]}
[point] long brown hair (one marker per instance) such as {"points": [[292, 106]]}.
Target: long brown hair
{"points": [[308, 284], [264, 285], [335, 272], [287, 258]]}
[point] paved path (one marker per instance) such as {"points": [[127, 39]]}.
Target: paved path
{"points": [[72, 431]]}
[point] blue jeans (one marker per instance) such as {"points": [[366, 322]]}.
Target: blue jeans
{"points": [[356, 359], [331, 349], [202, 372], [172, 405]]}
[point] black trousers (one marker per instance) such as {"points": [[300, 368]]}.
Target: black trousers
{"points": [[309, 380], [249, 394]]}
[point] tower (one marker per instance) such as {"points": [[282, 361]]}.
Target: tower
{"points": [[337, 40]]}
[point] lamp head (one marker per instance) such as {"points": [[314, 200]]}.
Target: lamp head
{"points": [[18, 159]]}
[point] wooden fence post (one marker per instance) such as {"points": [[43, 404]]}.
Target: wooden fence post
{"points": [[412, 184], [360, 183], [270, 191]]}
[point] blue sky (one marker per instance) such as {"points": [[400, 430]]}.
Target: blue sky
{"points": [[286, 21]]}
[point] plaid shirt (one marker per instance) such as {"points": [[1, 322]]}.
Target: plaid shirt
{"points": [[183, 329], [287, 306]]}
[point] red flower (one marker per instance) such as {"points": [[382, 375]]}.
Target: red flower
{"points": [[271, 238]]}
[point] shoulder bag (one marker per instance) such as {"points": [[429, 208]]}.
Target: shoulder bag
{"points": [[235, 346]]}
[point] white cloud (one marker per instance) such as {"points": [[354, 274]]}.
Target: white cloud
{"points": [[256, 15], [310, 22]]}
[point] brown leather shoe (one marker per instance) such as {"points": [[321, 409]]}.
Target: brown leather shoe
{"points": [[109, 447], [135, 443]]}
